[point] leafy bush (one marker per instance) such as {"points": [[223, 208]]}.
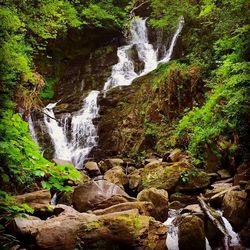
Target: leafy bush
{"points": [[22, 161]]}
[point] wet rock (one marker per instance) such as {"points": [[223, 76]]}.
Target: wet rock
{"points": [[65, 198], [113, 200], [88, 196], [159, 198], [135, 179], [176, 205], [183, 198], [235, 208], [70, 228], [245, 234], [92, 168], [212, 161], [175, 155], [117, 176], [38, 200], [191, 233], [224, 174], [242, 174], [144, 208], [194, 208]]}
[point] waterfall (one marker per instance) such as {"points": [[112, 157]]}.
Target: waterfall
{"points": [[123, 72], [32, 129], [76, 144], [83, 132]]}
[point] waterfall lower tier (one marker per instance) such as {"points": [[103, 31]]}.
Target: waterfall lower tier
{"points": [[83, 134]]}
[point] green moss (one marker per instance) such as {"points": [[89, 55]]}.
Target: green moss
{"points": [[47, 92]]}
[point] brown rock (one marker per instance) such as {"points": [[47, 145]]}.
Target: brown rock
{"points": [[70, 227], [194, 208], [113, 200], [245, 234], [117, 176], [191, 233], [88, 196], [92, 168], [39, 200], [144, 208], [235, 208], [224, 174], [183, 198], [175, 155], [135, 179], [159, 198]]}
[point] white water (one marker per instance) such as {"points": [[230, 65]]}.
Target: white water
{"points": [[83, 132], [123, 72], [32, 130], [172, 241]]}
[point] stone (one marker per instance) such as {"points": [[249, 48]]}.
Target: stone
{"points": [[88, 196], [175, 155], [38, 200], [117, 176], [224, 174], [183, 198], [245, 235], [144, 208], [235, 208], [114, 162], [65, 198], [70, 228], [159, 198], [191, 233], [92, 168], [135, 179], [176, 205], [242, 173], [103, 166], [194, 208], [113, 200]]}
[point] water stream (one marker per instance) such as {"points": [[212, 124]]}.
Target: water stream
{"points": [[74, 135]]}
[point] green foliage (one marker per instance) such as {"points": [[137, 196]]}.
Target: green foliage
{"points": [[47, 92], [189, 174], [225, 112], [22, 161]]}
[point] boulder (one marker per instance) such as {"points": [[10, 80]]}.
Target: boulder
{"points": [[243, 173], [194, 209], [245, 234], [92, 168], [159, 198], [183, 198], [117, 176], [71, 228], [176, 205], [235, 208], [191, 233], [38, 200], [134, 179], [175, 155], [65, 198], [88, 196], [113, 200], [144, 208]]}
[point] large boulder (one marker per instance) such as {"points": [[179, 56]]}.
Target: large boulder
{"points": [[88, 196], [38, 200], [159, 198], [135, 179], [71, 228], [117, 176], [236, 208], [191, 233]]}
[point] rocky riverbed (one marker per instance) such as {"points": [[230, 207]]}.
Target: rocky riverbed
{"points": [[123, 204]]}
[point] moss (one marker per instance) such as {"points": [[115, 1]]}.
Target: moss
{"points": [[93, 225]]}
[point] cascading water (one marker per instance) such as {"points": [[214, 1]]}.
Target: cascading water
{"points": [[83, 132], [123, 72]]}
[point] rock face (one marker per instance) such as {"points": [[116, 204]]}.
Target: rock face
{"points": [[191, 233], [159, 199], [236, 208], [90, 195], [39, 200], [71, 228]]}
